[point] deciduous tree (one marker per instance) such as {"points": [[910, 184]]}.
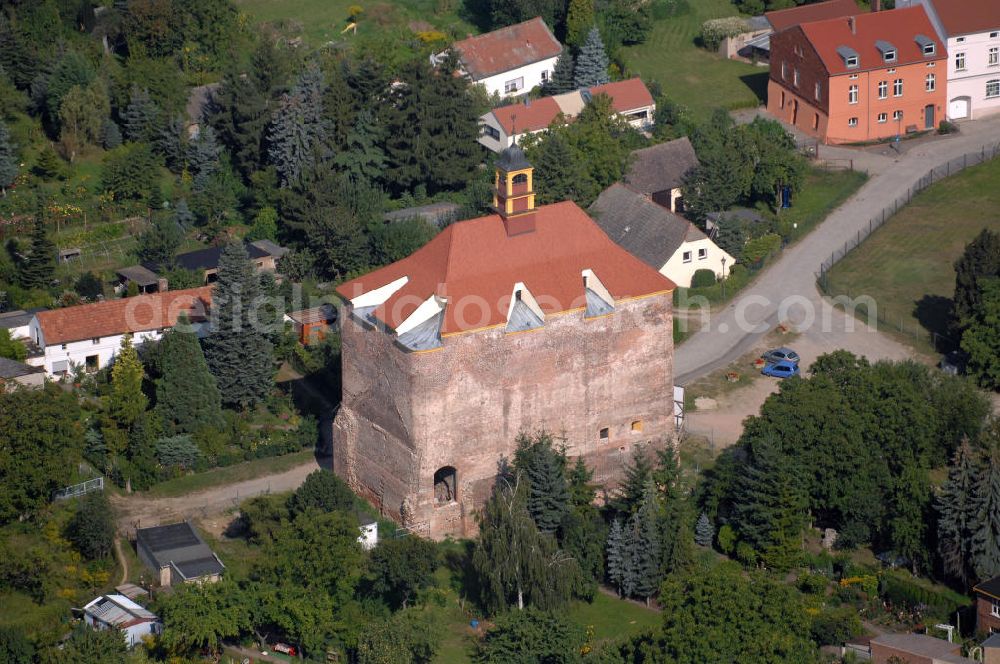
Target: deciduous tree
{"points": [[400, 568], [160, 241]]}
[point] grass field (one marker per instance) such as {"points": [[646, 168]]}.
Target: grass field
{"points": [[321, 22], [906, 265], [823, 192], [691, 75]]}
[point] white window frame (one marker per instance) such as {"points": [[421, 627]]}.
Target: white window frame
{"points": [[686, 257], [897, 116], [930, 82], [883, 89], [852, 94], [883, 118], [929, 49], [513, 85], [960, 61], [993, 56], [818, 92], [702, 254], [545, 76], [851, 61], [995, 608], [852, 122], [897, 87], [995, 84], [889, 56]]}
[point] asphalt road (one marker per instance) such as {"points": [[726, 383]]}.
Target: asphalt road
{"points": [[786, 291]]}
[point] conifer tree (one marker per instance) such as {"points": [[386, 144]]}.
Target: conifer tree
{"points": [[647, 543], [363, 156], [560, 173], [171, 139], [239, 356], [544, 469], [630, 558], [770, 512], [160, 241], [958, 513], [704, 533], [592, 63], [579, 20], [183, 214], [8, 160], [187, 396], [37, 271], [986, 539], [616, 555], [111, 135], [299, 134], [203, 158], [49, 166], [562, 75], [141, 117], [638, 471], [981, 259], [126, 400]]}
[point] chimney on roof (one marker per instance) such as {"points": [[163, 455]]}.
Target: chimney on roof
{"points": [[851, 24]]}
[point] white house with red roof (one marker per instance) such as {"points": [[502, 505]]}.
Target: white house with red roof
{"points": [[503, 126], [511, 60], [121, 613], [971, 32], [89, 335]]}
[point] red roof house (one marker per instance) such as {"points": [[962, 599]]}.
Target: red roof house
{"points": [[511, 60]]}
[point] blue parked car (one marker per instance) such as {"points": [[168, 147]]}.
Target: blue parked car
{"points": [[783, 369]]}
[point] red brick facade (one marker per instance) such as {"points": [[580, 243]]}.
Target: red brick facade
{"points": [[406, 415], [986, 621]]}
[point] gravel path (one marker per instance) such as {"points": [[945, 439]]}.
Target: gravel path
{"points": [[786, 290]]}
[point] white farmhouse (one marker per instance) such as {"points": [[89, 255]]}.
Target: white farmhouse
{"points": [[511, 60], [971, 29], [658, 237], [504, 126], [121, 613], [89, 335]]}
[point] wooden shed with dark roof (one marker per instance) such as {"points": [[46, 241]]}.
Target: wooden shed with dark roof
{"points": [[177, 554]]}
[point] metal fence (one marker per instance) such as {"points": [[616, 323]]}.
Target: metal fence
{"points": [[77, 490], [935, 174]]}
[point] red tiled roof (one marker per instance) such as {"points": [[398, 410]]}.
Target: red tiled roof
{"points": [[475, 264], [961, 17], [539, 114], [899, 27], [535, 116], [625, 95], [132, 314], [819, 11], [508, 48]]}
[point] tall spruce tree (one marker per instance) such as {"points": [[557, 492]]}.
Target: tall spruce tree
{"points": [[616, 554], [8, 160], [560, 173], [187, 396], [171, 143], [183, 214], [704, 533], [111, 135], [126, 401], [771, 507], [544, 468], [645, 523], [958, 513], [363, 156], [37, 270], [592, 62], [299, 137], [431, 130], [239, 356], [562, 75], [203, 158], [638, 471], [986, 539], [141, 118]]}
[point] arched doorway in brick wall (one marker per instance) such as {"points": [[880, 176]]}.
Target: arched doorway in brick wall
{"points": [[445, 485]]}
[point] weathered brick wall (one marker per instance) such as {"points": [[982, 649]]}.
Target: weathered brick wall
{"points": [[464, 404]]}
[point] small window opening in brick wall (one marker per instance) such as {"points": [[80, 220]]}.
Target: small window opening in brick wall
{"points": [[445, 485]]}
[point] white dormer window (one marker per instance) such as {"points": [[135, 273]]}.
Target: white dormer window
{"points": [[929, 49], [960, 40], [852, 61], [889, 56]]}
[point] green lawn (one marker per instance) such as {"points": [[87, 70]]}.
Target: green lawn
{"points": [[235, 473], [823, 192], [906, 265], [691, 75], [321, 22]]}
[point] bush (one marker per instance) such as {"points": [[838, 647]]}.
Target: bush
{"points": [[813, 584], [947, 127], [760, 249], [726, 539], [715, 30], [831, 627], [92, 527], [702, 278], [322, 490]]}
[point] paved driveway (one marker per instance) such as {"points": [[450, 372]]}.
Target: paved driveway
{"points": [[786, 290]]}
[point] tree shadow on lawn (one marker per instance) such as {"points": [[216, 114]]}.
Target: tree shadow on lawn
{"points": [[935, 314], [757, 84]]}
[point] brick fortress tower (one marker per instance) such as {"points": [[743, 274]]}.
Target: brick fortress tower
{"points": [[526, 319]]}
